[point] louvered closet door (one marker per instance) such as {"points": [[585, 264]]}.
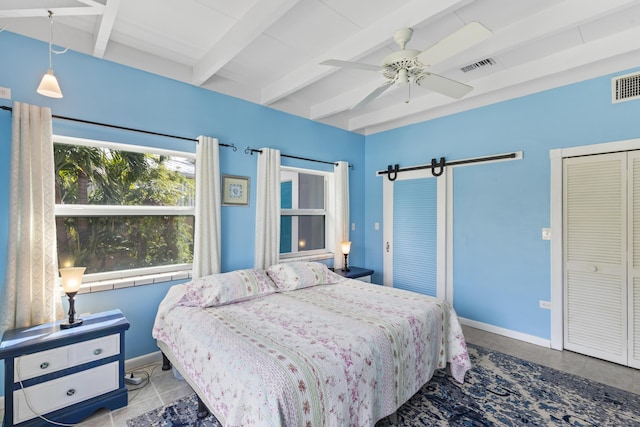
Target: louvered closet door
{"points": [[595, 256], [634, 259]]}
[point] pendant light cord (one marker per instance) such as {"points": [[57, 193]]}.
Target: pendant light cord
{"points": [[51, 50]]}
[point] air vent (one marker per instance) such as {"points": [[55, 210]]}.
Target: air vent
{"points": [[625, 88], [484, 63]]}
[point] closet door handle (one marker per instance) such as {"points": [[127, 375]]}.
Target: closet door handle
{"points": [[387, 247], [593, 268]]}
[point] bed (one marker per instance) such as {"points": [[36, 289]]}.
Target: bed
{"points": [[298, 345]]}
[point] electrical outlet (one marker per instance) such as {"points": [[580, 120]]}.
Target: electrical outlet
{"points": [[5, 93], [545, 304], [353, 226]]}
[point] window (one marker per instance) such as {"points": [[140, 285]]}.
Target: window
{"points": [[123, 210], [305, 212]]}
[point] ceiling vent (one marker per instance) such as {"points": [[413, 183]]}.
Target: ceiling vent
{"points": [[625, 88], [484, 63]]}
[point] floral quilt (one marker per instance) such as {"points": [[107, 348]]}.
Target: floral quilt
{"points": [[345, 354]]}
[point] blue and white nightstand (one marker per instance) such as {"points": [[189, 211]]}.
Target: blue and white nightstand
{"points": [[64, 375], [363, 274]]}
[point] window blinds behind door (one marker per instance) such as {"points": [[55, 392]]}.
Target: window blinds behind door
{"points": [[415, 235]]}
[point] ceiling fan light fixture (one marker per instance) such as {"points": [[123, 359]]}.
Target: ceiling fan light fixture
{"points": [[403, 77]]}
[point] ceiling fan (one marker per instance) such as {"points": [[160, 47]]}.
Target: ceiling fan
{"points": [[405, 65]]}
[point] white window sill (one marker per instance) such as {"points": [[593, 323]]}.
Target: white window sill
{"points": [[134, 281], [310, 257]]}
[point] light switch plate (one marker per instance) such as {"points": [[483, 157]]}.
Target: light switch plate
{"points": [[5, 93]]}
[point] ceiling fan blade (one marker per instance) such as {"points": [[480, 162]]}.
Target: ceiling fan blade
{"points": [[442, 85], [466, 37], [349, 64], [373, 95]]}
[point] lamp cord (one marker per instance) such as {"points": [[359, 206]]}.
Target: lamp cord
{"points": [[26, 400]]}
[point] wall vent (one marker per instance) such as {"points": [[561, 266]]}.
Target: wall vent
{"points": [[484, 63], [625, 88]]}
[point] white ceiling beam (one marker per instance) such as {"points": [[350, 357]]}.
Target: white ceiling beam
{"points": [[57, 11], [550, 21], [104, 27], [252, 24], [92, 3], [576, 59], [359, 45]]}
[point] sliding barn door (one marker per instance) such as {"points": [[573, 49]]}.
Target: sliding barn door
{"points": [[595, 256], [414, 217]]}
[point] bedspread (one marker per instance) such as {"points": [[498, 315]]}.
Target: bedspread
{"points": [[346, 354]]}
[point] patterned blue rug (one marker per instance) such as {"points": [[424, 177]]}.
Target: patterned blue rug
{"points": [[500, 390]]}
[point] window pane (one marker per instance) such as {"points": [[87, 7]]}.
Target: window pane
{"points": [[310, 191], [299, 233], [102, 176], [104, 244], [310, 232]]}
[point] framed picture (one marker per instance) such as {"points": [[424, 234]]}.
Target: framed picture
{"points": [[235, 190]]}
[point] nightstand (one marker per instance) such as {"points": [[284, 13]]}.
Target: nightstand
{"points": [[362, 274], [64, 374]]}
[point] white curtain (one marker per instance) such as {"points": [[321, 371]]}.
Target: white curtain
{"points": [[206, 240], [30, 294], [341, 179], [267, 245]]}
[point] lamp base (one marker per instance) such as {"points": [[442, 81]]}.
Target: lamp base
{"points": [[73, 324]]}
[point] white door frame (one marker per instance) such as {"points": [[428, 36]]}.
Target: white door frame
{"points": [[556, 224]]}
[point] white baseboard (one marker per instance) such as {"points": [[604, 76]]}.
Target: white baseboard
{"points": [[531, 339], [144, 360]]}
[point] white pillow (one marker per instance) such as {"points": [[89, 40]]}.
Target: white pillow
{"points": [[288, 276], [227, 288]]}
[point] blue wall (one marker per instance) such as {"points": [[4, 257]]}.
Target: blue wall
{"points": [[501, 264], [106, 92]]}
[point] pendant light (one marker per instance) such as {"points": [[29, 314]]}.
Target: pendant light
{"points": [[49, 85]]}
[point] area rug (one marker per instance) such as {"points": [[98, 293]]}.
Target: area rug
{"points": [[500, 390]]}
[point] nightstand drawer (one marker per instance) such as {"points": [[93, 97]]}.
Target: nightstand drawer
{"points": [[44, 362], [98, 348], [62, 392]]}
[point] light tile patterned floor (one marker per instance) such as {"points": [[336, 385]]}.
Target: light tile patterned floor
{"points": [[163, 387]]}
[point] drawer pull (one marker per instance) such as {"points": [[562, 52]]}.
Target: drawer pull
{"points": [[97, 351], [44, 365], [71, 392]]}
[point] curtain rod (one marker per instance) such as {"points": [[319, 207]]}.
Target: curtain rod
{"points": [[3, 107], [250, 150], [392, 171]]}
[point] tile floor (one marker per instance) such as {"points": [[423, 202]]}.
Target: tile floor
{"points": [[164, 388]]}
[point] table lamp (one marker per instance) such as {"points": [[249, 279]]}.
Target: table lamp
{"points": [[346, 248], [71, 281]]}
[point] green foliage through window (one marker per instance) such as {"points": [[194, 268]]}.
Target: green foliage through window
{"points": [[98, 178]]}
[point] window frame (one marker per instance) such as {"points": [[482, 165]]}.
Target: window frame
{"points": [[77, 210], [328, 212]]}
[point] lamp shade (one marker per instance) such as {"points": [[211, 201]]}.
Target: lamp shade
{"points": [[49, 86], [72, 278], [346, 247]]}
